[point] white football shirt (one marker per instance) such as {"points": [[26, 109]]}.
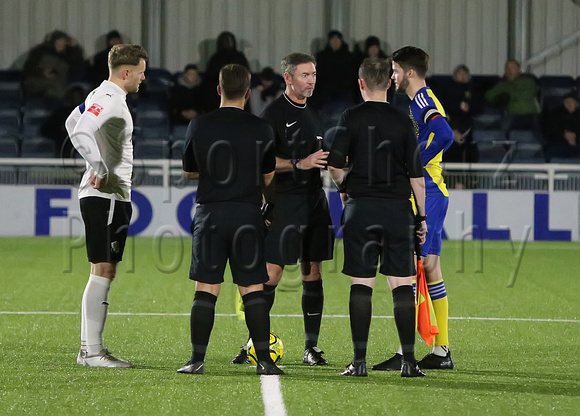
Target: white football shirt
{"points": [[101, 130]]}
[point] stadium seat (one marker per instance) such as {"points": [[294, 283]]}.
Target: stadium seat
{"points": [[38, 147], [489, 136], [9, 147], [528, 152], [151, 150], [522, 136], [573, 160], [493, 145], [10, 75], [151, 124], [176, 149], [158, 83], [34, 114], [490, 152], [553, 88], [178, 132], [10, 94], [10, 122], [489, 118]]}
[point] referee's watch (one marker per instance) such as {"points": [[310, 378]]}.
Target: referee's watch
{"points": [[294, 163]]}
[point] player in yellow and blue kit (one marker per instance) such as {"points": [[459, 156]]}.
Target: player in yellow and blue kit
{"points": [[410, 65]]}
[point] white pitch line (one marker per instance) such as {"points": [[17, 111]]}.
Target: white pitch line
{"points": [[272, 396], [227, 315]]}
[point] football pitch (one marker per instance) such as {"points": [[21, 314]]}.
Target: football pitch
{"points": [[514, 333]]}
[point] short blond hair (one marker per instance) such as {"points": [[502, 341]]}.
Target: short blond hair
{"points": [[126, 54]]}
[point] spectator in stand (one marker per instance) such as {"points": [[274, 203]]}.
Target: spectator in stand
{"points": [[100, 69], [226, 53], [372, 49], [460, 106], [518, 94], [336, 68], [562, 128], [265, 92], [54, 126], [51, 65], [186, 95]]}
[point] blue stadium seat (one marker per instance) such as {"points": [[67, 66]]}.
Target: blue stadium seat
{"points": [[573, 160], [523, 136], [489, 136], [179, 131], [158, 83], [490, 152], [38, 147], [10, 94], [32, 120], [553, 88], [176, 149], [528, 152], [9, 147], [151, 150], [490, 118], [10, 122], [152, 124], [492, 144], [11, 75]]}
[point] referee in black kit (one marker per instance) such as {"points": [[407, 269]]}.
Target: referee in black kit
{"points": [[301, 228], [231, 152], [379, 225]]}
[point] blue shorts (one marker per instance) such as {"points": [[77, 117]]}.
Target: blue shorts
{"points": [[436, 209]]}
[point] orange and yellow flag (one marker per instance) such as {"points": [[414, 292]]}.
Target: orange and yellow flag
{"points": [[425, 319]]}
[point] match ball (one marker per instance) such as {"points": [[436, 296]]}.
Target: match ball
{"points": [[276, 350]]}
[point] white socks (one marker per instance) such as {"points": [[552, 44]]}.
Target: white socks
{"points": [[440, 350], [94, 313]]}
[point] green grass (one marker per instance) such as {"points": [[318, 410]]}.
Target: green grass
{"points": [[504, 367]]}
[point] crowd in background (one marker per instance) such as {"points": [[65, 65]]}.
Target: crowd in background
{"points": [[56, 76]]}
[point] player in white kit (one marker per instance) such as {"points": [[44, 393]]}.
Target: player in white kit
{"points": [[101, 130]]}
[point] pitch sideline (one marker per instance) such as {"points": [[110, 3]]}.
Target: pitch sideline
{"points": [[222, 315]]}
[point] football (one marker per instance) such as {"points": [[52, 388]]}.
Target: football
{"points": [[276, 350]]}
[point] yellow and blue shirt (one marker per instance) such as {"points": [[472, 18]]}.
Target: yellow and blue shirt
{"points": [[434, 136]]}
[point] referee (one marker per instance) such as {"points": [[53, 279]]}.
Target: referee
{"points": [[231, 152], [379, 226], [301, 228], [101, 130]]}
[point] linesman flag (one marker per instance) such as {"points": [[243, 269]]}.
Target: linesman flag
{"points": [[425, 319]]}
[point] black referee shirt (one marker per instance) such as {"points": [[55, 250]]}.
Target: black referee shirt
{"points": [[382, 150], [231, 149], [295, 130]]}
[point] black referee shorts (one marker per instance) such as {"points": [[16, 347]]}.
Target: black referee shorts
{"points": [[378, 232], [301, 229], [225, 231], [106, 226]]}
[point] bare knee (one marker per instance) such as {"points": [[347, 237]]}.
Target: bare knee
{"points": [[432, 265], [106, 270], [274, 273], [311, 271]]}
